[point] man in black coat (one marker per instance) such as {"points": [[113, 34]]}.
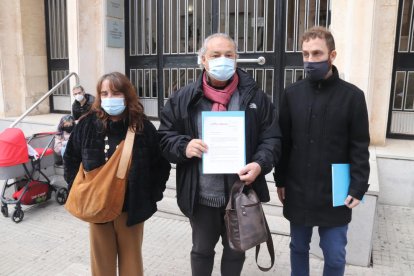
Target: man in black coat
{"points": [[82, 103], [324, 121], [202, 197]]}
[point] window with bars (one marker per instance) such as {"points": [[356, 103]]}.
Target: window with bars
{"points": [[58, 29], [293, 75], [142, 27], [145, 82], [302, 15], [251, 23], [186, 24], [406, 36], [403, 93], [57, 76]]}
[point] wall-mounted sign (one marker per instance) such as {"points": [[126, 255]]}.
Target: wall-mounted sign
{"points": [[115, 8], [115, 33]]}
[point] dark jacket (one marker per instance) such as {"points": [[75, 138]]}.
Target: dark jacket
{"points": [[78, 110], [179, 126], [148, 173], [322, 123]]}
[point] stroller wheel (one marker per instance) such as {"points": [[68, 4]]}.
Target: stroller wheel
{"points": [[4, 211], [61, 196], [17, 215]]}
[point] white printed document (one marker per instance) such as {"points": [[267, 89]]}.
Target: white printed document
{"points": [[224, 134]]}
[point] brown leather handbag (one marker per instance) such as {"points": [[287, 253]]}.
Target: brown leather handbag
{"points": [[97, 196], [246, 223]]}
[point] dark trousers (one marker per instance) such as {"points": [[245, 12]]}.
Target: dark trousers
{"points": [[208, 225], [332, 242]]}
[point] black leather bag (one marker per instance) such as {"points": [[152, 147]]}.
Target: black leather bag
{"points": [[246, 223]]}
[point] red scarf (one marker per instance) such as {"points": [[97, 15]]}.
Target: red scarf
{"points": [[220, 97]]}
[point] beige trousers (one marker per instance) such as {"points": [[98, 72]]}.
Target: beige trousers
{"points": [[114, 240]]}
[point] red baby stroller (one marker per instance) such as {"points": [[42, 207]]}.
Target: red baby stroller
{"points": [[22, 166]]}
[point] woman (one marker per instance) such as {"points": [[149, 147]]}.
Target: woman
{"points": [[94, 140], [65, 127]]}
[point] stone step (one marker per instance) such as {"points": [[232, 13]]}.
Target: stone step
{"points": [[34, 124]]}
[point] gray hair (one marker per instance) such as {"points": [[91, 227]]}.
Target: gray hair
{"points": [[203, 49], [78, 86]]}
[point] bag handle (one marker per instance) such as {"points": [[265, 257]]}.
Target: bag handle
{"points": [[237, 188], [270, 248], [126, 154]]}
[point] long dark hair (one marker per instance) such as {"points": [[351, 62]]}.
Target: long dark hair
{"points": [[134, 110], [63, 120]]}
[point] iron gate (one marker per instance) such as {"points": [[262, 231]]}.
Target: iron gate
{"points": [[163, 38], [57, 53], [401, 115]]}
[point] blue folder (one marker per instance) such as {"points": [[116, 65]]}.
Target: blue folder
{"points": [[341, 179]]}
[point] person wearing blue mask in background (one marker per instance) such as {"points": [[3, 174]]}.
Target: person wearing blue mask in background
{"points": [[202, 197], [324, 121], [93, 141], [82, 103]]}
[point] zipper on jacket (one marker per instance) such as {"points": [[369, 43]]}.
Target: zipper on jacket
{"points": [[309, 119], [245, 100], [325, 114]]}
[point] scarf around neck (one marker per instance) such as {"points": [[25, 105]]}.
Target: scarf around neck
{"points": [[220, 97]]}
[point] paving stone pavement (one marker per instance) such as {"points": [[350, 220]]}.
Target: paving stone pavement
{"points": [[51, 242]]}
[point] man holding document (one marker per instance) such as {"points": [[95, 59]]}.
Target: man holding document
{"points": [[324, 123], [217, 130]]}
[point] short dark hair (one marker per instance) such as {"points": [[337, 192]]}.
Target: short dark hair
{"points": [[322, 33], [78, 86]]}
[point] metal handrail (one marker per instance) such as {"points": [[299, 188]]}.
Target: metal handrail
{"points": [[54, 88]]}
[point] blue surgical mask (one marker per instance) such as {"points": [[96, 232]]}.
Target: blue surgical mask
{"points": [[222, 68], [113, 106], [316, 70], [79, 97]]}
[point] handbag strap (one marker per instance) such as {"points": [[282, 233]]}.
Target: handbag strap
{"points": [[126, 154], [270, 248]]}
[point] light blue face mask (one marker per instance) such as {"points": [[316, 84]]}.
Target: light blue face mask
{"points": [[113, 106], [222, 68]]}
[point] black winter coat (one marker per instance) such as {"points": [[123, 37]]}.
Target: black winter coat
{"points": [[148, 173], [322, 123], [78, 110], [179, 126]]}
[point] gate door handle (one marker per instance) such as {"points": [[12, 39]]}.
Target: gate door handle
{"points": [[259, 60]]}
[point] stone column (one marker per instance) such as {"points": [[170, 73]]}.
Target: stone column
{"points": [[383, 44], [364, 33], [23, 61], [89, 55]]}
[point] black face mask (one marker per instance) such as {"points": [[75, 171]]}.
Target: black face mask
{"points": [[317, 70], [68, 129]]}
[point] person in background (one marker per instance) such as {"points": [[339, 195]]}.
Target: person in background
{"points": [[117, 245], [203, 197], [82, 103], [324, 121], [65, 127]]}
